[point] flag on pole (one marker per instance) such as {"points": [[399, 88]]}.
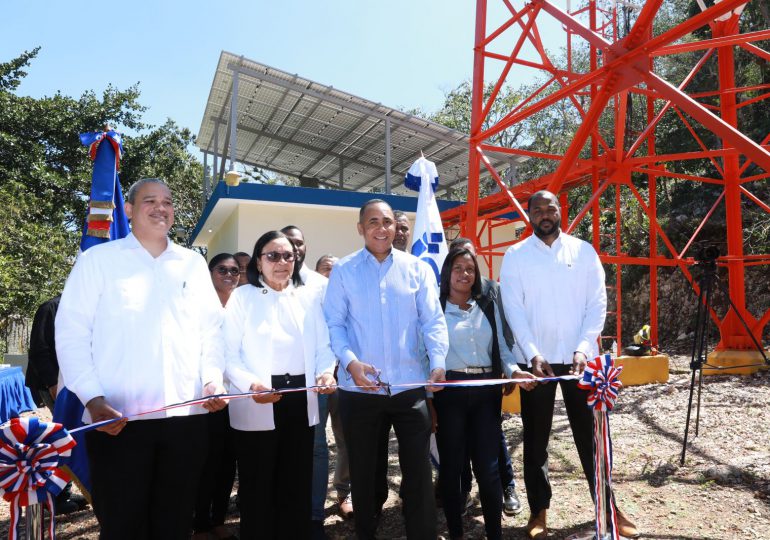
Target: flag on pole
{"points": [[106, 221], [428, 241]]}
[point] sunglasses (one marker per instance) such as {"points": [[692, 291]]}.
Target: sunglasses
{"points": [[224, 270], [275, 256]]}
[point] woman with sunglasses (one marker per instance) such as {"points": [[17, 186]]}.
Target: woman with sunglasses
{"points": [[225, 273], [216, 483], [469, 418], [276, 338]]}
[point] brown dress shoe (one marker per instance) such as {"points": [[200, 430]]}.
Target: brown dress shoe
{"points": [[536, 527], [626, 527], [346, 506]]}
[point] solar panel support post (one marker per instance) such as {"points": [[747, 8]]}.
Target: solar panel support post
{"points": [[387, 155], [234, 120], [205, 196], [216, 152]]}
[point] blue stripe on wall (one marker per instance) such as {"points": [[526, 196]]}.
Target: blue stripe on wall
{"points": [[299, 195]]}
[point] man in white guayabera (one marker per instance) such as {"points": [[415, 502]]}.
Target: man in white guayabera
{"points": [[139, 327], [555, 301]]}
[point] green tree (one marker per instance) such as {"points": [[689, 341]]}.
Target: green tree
{"points": [[45, 179]]}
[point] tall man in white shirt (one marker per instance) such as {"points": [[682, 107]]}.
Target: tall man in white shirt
{"points": [[555, 300], [138, 327]]}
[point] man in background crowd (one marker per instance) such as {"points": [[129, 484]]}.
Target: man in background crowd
{"points": [[309, 277], [243, 259], [401, 239], [325, 264]]}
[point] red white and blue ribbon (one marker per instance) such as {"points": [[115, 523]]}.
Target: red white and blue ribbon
{"points": [[93, 139], [106, 196], [30, 454], [600, 378], [242, 395]]}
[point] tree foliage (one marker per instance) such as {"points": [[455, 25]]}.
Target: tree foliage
{"points": [[45, 178], [682, 204]]}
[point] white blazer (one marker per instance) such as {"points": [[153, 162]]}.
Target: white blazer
{"points": [[250, 317]]}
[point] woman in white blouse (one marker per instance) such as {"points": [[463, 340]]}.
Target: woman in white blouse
{"points": [[276, 337], [468, 419]]}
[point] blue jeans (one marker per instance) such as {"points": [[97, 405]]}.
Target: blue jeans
{"points": [[469, 421], [503, 460], [320, 461]]}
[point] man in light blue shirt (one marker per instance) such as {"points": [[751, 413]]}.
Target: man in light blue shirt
{"points": [[379, 304]]}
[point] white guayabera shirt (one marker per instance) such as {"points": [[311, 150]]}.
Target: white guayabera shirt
{"points": [[555, 297], [143, 332]]}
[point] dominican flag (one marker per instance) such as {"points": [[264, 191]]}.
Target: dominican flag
{"points": [[106, 221], [429, 243]]}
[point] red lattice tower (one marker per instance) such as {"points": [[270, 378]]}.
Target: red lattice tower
{"points": [[620, 67]]}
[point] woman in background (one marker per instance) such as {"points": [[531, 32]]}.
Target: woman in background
{"points": [[216, 483]]}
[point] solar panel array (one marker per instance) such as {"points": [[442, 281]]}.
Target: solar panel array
{"points": [[292, 125]]}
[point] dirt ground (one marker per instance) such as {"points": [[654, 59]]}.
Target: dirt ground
{"points": [[721, 492]]}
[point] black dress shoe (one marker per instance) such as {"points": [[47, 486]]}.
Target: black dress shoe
{"points": [[511, 503], [66, 507]]}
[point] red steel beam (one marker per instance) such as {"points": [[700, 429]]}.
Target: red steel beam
{"points": [[738, 39], [623, 65]]}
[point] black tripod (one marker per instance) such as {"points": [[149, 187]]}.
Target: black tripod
{"points": [[707, 262]]}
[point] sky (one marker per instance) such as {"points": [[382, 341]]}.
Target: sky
{"points": [[402, 53]]}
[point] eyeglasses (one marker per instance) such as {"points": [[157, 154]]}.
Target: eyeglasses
{"points": [[224, 270], [275, 256]]}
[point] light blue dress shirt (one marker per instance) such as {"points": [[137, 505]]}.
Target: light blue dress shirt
{"points": [[380, 312], [470, 339]]}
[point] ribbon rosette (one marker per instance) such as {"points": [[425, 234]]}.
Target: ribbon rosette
{"points": [[30, 453], [601, 380]]}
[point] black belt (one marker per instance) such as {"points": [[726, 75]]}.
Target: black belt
{"points": [[288, 381]]}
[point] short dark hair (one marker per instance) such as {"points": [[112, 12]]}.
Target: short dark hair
{"points": [[134, 189], [542, 194], [446, 274], [321, 259], [291, 228], [459, 242], [241, 254], [398, 214], [252, 272], [367, 204], [221, 257]]}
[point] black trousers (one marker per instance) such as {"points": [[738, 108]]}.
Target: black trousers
{"points": [[381, 480], [275, 472], [503, 460], [537, 418], [216, 483], [362, 417], [144, 479], [469, 423]]}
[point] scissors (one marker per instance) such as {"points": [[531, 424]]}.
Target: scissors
{"points": [[381, 383]]}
